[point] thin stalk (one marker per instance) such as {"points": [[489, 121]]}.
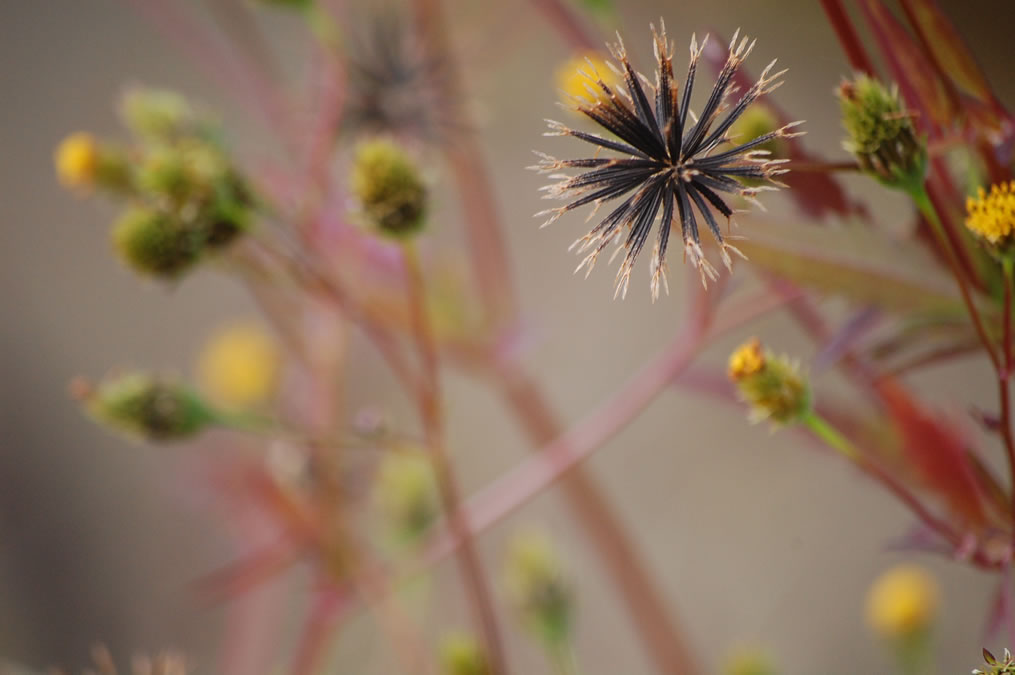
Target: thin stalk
{"points": [[1003, 377], [926, 207], [431, 411], [563, 658], [848, 37], [568, 24]]}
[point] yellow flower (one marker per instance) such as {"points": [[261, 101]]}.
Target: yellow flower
{"points": [[746, 360], [576, 76], [902, 602], [239, 365], [992, 216], [77, 160]]}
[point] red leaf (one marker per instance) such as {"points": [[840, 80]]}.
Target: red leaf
{"points": [[937, 452]]}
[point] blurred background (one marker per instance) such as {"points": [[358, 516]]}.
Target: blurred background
{"points": [[756, 538]]}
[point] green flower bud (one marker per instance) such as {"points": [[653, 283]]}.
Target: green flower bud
{"points": [[157, 244], [406, 493], [147, 407], [159, 115], [461, 654], [881, 133], [537, 585], [772, 385], [389, 187]]}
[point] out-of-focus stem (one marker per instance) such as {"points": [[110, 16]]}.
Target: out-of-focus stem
{"points": [[431, 411], [1004, 376], [848, 37], [568, 24]]}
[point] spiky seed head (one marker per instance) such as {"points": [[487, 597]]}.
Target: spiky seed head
{"points": [[991, 217], [880, 132], [669, 162], [146, 407], [772, 385], [389, 187]]}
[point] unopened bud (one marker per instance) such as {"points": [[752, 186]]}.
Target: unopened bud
{"points": [[539, 588], [461, 654], [406, 493], [156, 243], [772, 385], [881, 133]]}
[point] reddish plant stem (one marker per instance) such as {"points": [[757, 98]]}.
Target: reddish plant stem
{"points": [[1003, 377], [848, 37], [568, 24], [431, 411]]}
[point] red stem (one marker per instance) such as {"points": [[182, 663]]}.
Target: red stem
{"points": [[568, 24], [848, 37]]}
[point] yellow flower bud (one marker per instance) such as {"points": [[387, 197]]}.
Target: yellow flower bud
{"points": [[239, 365], [389, 187], [991, 217], [77, 160], [749, 661], [902, 602], [773, 386], [461, 654]]}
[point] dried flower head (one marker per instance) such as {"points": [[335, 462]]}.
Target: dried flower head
{"points": [[772, 385], [880, 132], [991, 216], [674, 161], [398, 84], [902, 602]]}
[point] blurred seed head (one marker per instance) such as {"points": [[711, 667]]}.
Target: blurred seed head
{"points": [[406, 493], [156, 244], [537, 585], [146, 407], [462, 654], [389, 187]]}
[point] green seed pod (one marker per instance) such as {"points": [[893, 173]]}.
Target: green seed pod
{"points": [[146, 407], [156, 243], [461, 654], [389, 187], [880, 132]]}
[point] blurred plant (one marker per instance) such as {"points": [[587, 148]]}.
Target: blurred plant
{"points": [[995, 666], [165, 663], [395, 106], [901, 608], [749, 661]]}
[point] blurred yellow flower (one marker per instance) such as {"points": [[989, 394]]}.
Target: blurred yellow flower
{"points": [[576, 76], [746, 360], [77, 160], [902, 602], [239, 366], [749, 661], [992, 216]]}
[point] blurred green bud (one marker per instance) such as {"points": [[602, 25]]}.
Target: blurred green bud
{"points": [[772, 385], [389, 187], [156, 243], [406, 493], [147, 407], [880, 133], [159, 115], [537, 585], [461, 654], [749, 661]]}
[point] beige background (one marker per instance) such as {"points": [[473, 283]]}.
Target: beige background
{"points": [[755, 538]]}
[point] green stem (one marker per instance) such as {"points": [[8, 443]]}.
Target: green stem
{"points": [[563, 657], [918, 193], [830, 435]]}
